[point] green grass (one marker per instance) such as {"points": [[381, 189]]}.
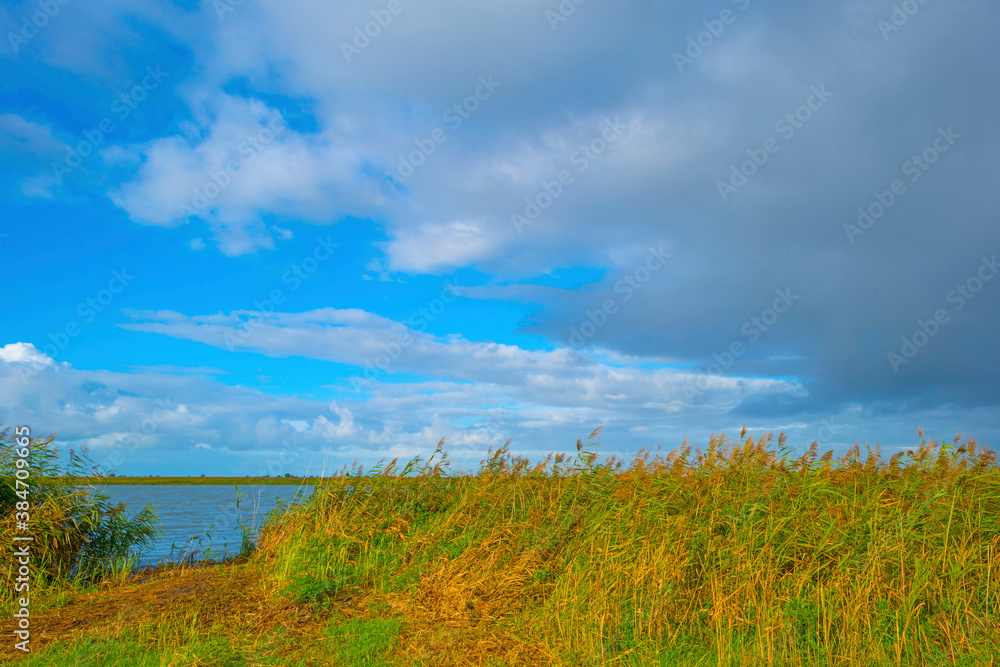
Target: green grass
{"points": [[125, 651], [364, 643]]}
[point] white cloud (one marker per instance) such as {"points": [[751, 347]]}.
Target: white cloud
{"points": [[431, 248], [134, 415], [556, 378], [24, 353], [343, 429], [248, 164]]}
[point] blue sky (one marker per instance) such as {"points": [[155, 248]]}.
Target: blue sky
{"points": [[272, 237]]}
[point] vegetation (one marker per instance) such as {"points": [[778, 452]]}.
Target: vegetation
{"points": [[77, 533], [741, 556]]}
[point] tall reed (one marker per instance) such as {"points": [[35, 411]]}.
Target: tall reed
{"points": [[78, 534], [741, 555]]}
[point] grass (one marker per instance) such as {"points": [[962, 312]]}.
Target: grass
{"points": [[363, 642], [738, 556]]}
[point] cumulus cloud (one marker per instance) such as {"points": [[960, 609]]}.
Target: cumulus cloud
{"points": [[24, 353], [248, 165], [122, 417]]}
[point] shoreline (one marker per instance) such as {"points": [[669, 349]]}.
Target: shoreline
{"points": [[196, 481]]}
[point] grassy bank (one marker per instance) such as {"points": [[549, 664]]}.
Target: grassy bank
{"points": [[738, 556]]}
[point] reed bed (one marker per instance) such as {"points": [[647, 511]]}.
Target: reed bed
{"points": [[739, 556], [78, 536]]}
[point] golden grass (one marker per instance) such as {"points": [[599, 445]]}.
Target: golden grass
{"points": [[743, 556]]}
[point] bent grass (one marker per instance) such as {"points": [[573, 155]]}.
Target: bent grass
{"points": [[740, 556]]}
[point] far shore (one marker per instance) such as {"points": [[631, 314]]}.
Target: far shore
{"points": [[218, 481]]}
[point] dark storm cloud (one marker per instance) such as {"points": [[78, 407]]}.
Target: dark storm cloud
{"points": [[922, 93]]}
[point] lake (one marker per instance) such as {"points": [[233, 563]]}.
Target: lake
{"points": [[196, 517]]}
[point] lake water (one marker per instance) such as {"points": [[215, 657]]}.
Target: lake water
{"points": [[196, 517]]}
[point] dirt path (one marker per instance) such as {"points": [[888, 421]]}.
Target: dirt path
{"points": [[219, 593]]}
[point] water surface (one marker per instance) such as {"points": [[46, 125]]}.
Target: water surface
{"points": [[195, 517]]}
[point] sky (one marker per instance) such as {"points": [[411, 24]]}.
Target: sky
{"points": [[260, 237]]}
